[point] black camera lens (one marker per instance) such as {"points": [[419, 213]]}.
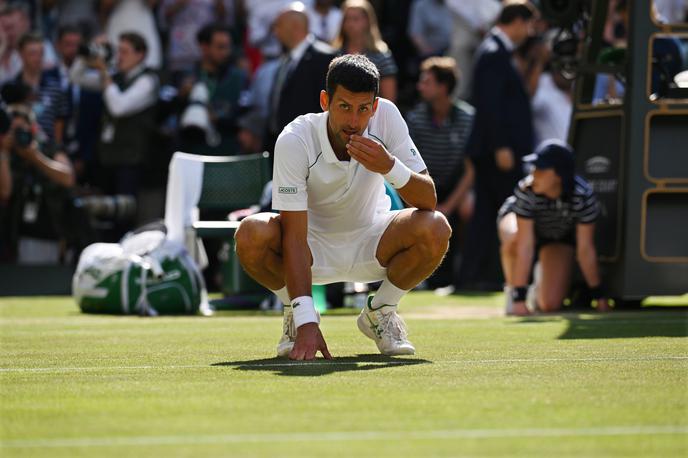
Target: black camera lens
{"points": [[23, 137]]}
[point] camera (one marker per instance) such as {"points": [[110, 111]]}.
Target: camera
{"points": [[96, 50], [116, 208], [22, 137]]}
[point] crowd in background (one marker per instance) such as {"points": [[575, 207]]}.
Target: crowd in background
{"points": [[100, 93]]}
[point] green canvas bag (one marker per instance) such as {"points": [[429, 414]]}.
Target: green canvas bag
{"points": [[144, 274]]}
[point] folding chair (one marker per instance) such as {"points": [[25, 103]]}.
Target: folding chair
{"points": [[223, 183]]}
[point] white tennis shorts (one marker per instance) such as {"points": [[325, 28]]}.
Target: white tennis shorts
{"points": [[349, 256]]}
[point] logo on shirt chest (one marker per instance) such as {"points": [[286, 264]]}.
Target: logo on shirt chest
{"points": [[287, 190]]}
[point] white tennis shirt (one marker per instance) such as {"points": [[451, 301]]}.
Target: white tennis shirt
{"points": [[340, 196]]}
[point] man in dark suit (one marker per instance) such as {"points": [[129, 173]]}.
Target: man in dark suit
{"points": [[502, 134], [300, 74]]}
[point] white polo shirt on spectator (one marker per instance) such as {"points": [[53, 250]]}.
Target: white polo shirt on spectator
{"points": [[340, 196]]}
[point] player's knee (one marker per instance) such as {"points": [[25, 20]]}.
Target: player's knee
{"points": [[435, 231], [250, 238], [441, 228]]}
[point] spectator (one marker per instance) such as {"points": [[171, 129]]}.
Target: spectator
{"points": [[502, 133], [48, 100], [325, 20], [224, 83], [14, 23], [440, 127], [303, 68], [553, 212], [34, 179], [128, 129], [360, 35], [67, 46], [472, 18], [182, 20], [126, 15], [430, 27]]}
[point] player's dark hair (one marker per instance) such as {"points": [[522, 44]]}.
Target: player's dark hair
{"points": [[513, 11], [355, 73], [443, 69]]}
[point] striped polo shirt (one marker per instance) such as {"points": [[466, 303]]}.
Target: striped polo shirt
{"points": [[554, 219], [443, 145]]}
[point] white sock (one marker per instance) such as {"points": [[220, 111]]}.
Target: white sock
{"points": [[283, 295], [388, 294]]}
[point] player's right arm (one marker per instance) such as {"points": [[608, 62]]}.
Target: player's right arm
{"points": [[295, 252], [290, 197], [297, 270]]}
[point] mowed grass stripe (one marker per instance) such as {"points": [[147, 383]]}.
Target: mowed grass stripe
{"points": [[337, 436], [319, 362]]}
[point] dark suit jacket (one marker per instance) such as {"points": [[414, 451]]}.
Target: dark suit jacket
{"points": [[502, 106], [301, 90]]}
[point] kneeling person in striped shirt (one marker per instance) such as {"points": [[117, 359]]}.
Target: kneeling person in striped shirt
{"points": [[553, 211], [335, 222]]}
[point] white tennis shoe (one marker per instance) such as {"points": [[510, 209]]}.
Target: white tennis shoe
{"points": [[388, 330]]}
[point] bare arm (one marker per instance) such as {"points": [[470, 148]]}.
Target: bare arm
{"points": [[297, 270], [58, 170], [587, 260], [525, 248], [459, 193], [587, 254], [418, 192], [297, 262]]}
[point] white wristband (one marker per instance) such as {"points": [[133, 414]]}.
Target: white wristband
{"points": [[399, 175], [304, 311]]}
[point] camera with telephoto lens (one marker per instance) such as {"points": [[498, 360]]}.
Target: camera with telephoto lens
{"points": [[114, 208], [96, 50]]}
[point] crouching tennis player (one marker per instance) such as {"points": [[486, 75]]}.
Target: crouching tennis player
{"points": [[334, 222]]}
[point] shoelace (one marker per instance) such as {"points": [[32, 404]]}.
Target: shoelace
{"points": [[289, 328], [394, 326]]}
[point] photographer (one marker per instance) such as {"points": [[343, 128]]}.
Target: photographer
{"points": [[219, 82], [34, 183], [130, 96]]}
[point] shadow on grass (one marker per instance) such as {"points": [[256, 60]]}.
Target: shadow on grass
{"points": [[618, 325], [284, 366]]}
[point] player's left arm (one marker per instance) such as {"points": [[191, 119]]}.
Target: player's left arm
{"points": [[587, 260]]}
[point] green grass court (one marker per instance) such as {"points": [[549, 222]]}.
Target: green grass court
{"points": [[480, 385]]}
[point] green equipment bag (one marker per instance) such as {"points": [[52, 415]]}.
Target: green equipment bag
{"points": [[144, 274]]}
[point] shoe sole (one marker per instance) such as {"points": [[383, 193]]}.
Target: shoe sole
{"points": [[365, 329]]}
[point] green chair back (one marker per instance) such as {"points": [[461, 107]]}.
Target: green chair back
{"points": [[234, 182]]}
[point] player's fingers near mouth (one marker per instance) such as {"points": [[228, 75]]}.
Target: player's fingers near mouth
{"points": [[368, 148]]}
